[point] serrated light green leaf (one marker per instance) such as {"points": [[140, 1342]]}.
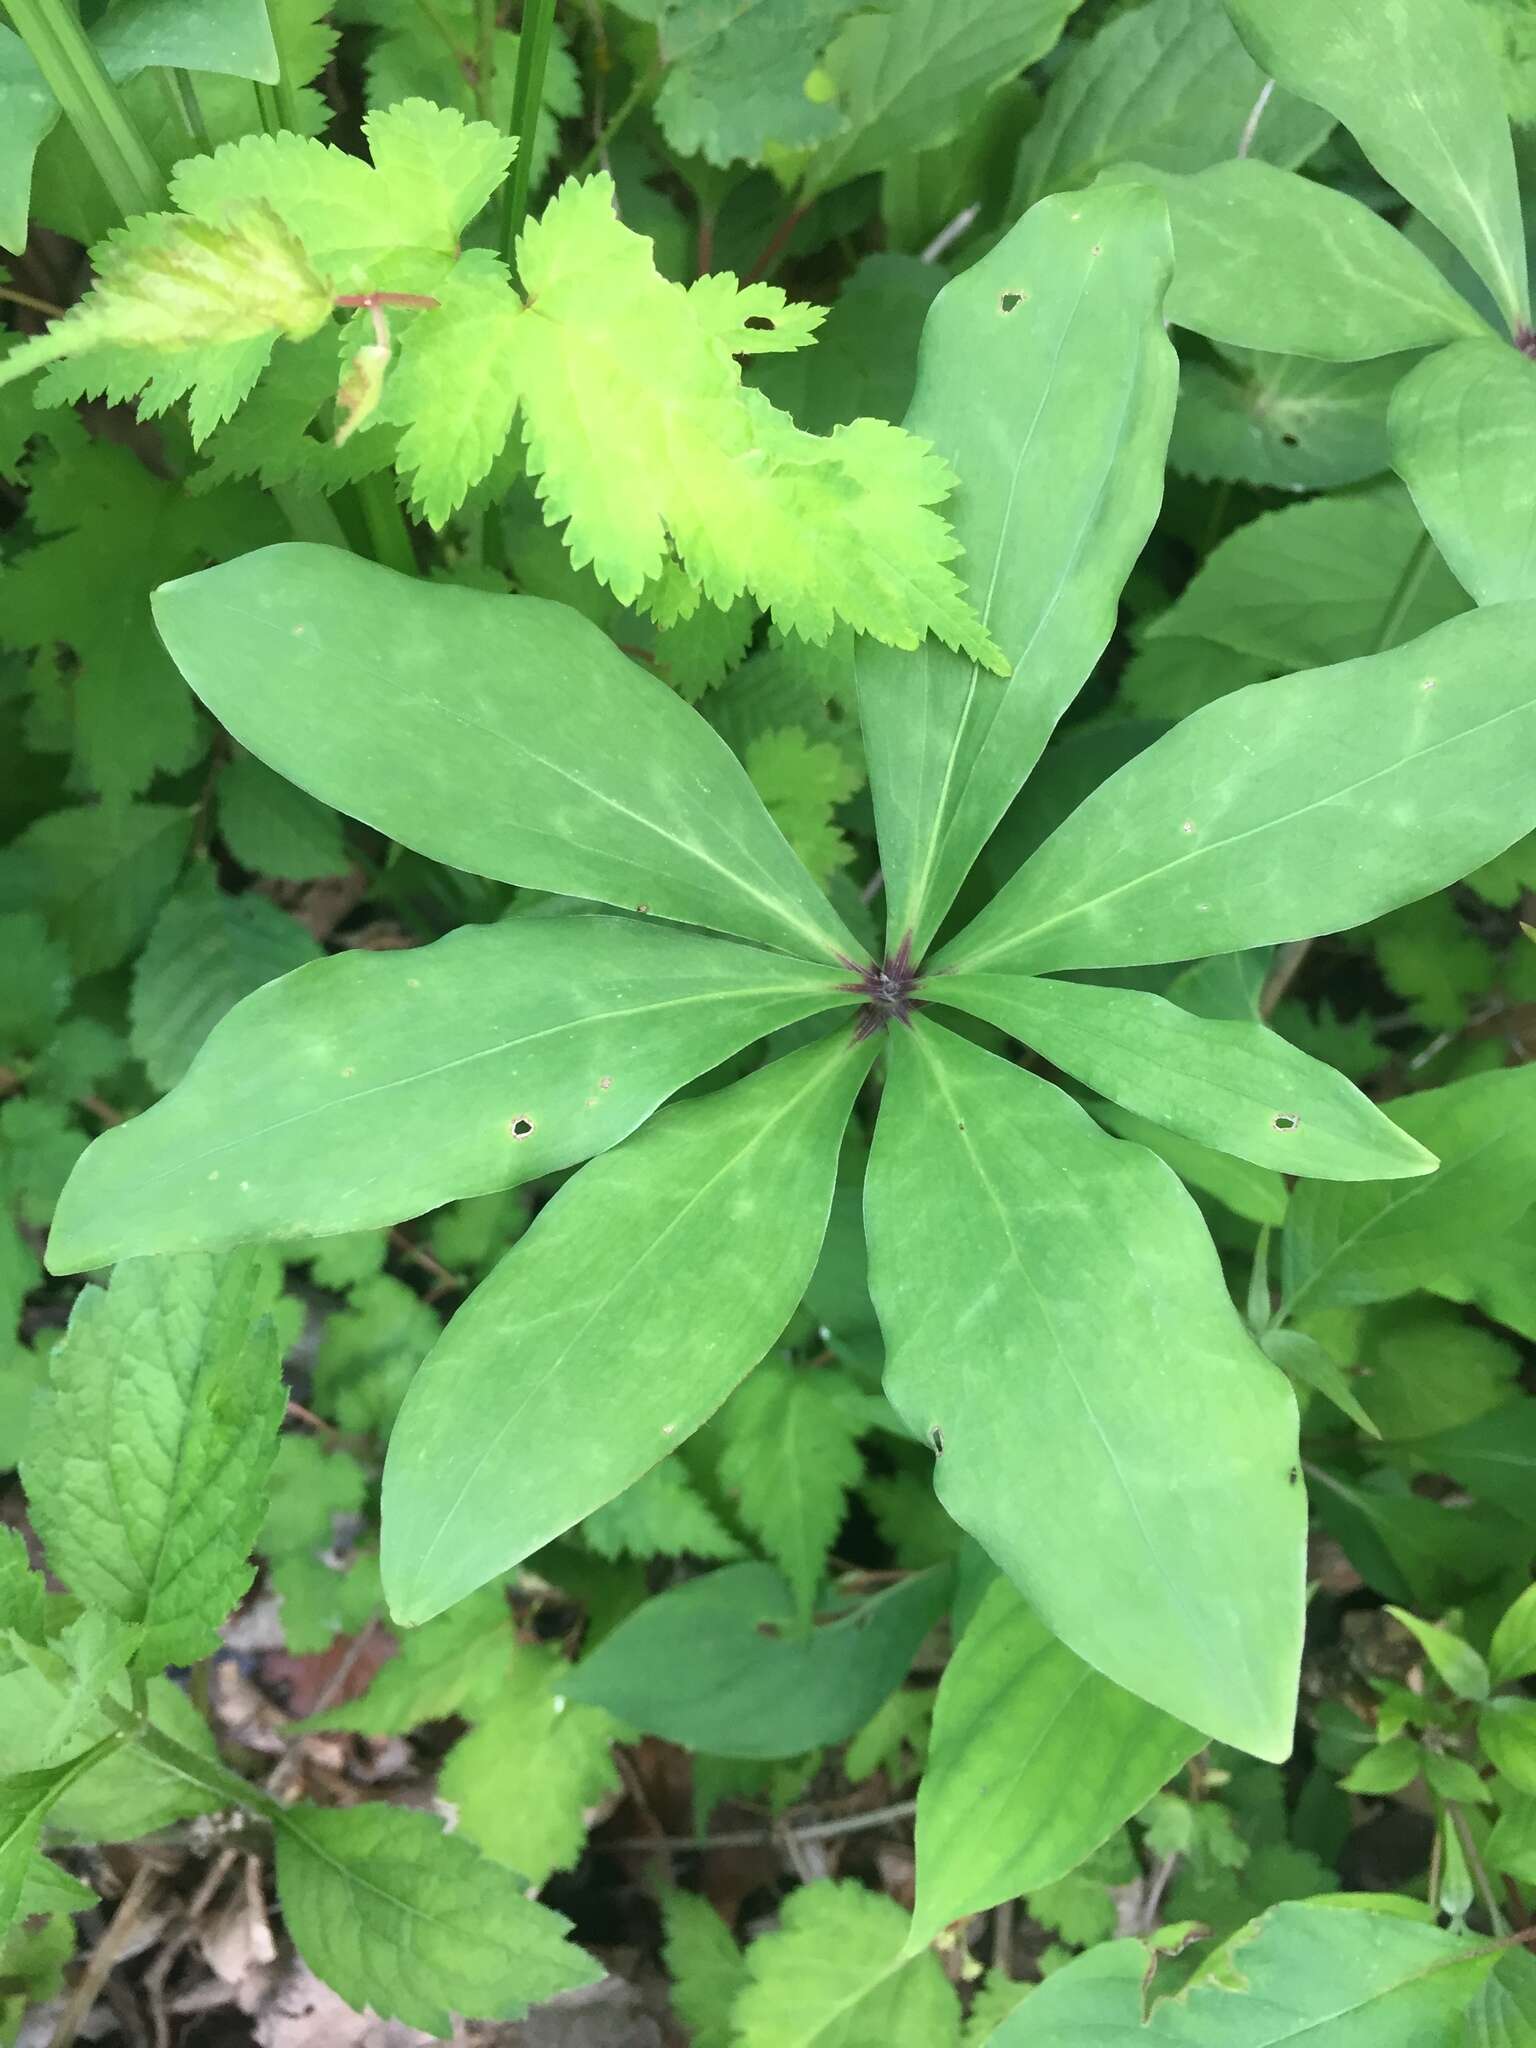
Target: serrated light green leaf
{"points": [[672, 1262], [1045, 376], [1304, 805], [1235, 1086], [97, 875], [817, 529], [722, 1664], [274, 829], [791, 1454], [1268, 260], [801, 781], [1461, 426], [1462, 1669], [1353, 1972], [146, 1463], [1166, 83], [909, 76], [456, 1665], [206, 951], [836, 1974], [706, 1967], [1065, 1341], [372, 1086], [535, 1763], [1371, 1242], [1416, 86], [415, 1924], [661, 1514], [1034, 1761], [539, 755]]}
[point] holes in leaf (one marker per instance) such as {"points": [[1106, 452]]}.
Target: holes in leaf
{"points": [[1286, 1120], [936, 1438], [1010, 300], [759, 320], [1291, 440], [521, 1127]]}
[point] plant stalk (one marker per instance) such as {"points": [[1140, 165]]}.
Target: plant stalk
{"points": [[92, 104], [285, 94], [527, 93], [485, 59], [388, 536]]}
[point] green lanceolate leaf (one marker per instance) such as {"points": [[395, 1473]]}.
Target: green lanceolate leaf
{"points": [[146, 1464], [1322, 1972], [1266, 259], [1461, 427], [1369, 1243], [372, 1086], [1045, 380], [1308, 804], [1059, 1330], [1415, 84], [1237, 1087], [647, 1288], [415, 1924], [1035, 1760], [507, 735], [723, 1664]]}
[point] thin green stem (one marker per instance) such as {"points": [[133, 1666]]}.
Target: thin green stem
{"points": [[388, 536], [310, 514], [286, 103], [91, 102], [1496, 1921], [527, 92], [1407, 588], [206, 1772], [184, 92], [639, 91]]}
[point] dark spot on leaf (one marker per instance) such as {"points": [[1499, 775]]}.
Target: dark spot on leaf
{"points": [[1291, 440], [1293, 1475], [642, 910], [520, 1127], [1009, 300], [758, 320], [936, 1438], [1286, 1121]]}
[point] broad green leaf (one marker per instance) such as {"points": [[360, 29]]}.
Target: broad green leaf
{"points": [[1506, 1728], [232, 37], [1350, 1972], [25, 1802], [1266, 259], [1167, 83], [127, 1794], [735, 81], [1102, 1423], [1257, 1192], [45, 1888], [1461, 428], [1238, 1087], [722, 1664], [1034, 1761], [1308, 804], [644, 1292], [147, 1461], [1314, 583], [790, 1456], [1513, 1651], [1408, 1548], [1462, 1669], [1304, 1359], [1493, 1456], [909, 77], [415, 1924], [835, 1974], [1369, 1243], [1503, 2014], [530, 1770], [372, 1086], [28, 112], [1045, 376], [207, 950], [1415, 84], [1385, 1769], [510, 737], [1287, 422]]}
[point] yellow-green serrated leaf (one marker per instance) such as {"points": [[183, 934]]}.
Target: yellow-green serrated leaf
{"points": [[167, 282], [643, 438], [146, 1464]]}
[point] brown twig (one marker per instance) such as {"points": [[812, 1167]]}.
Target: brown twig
{"points": [[420, 1256], [102, 1958], [768, 1838]]}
